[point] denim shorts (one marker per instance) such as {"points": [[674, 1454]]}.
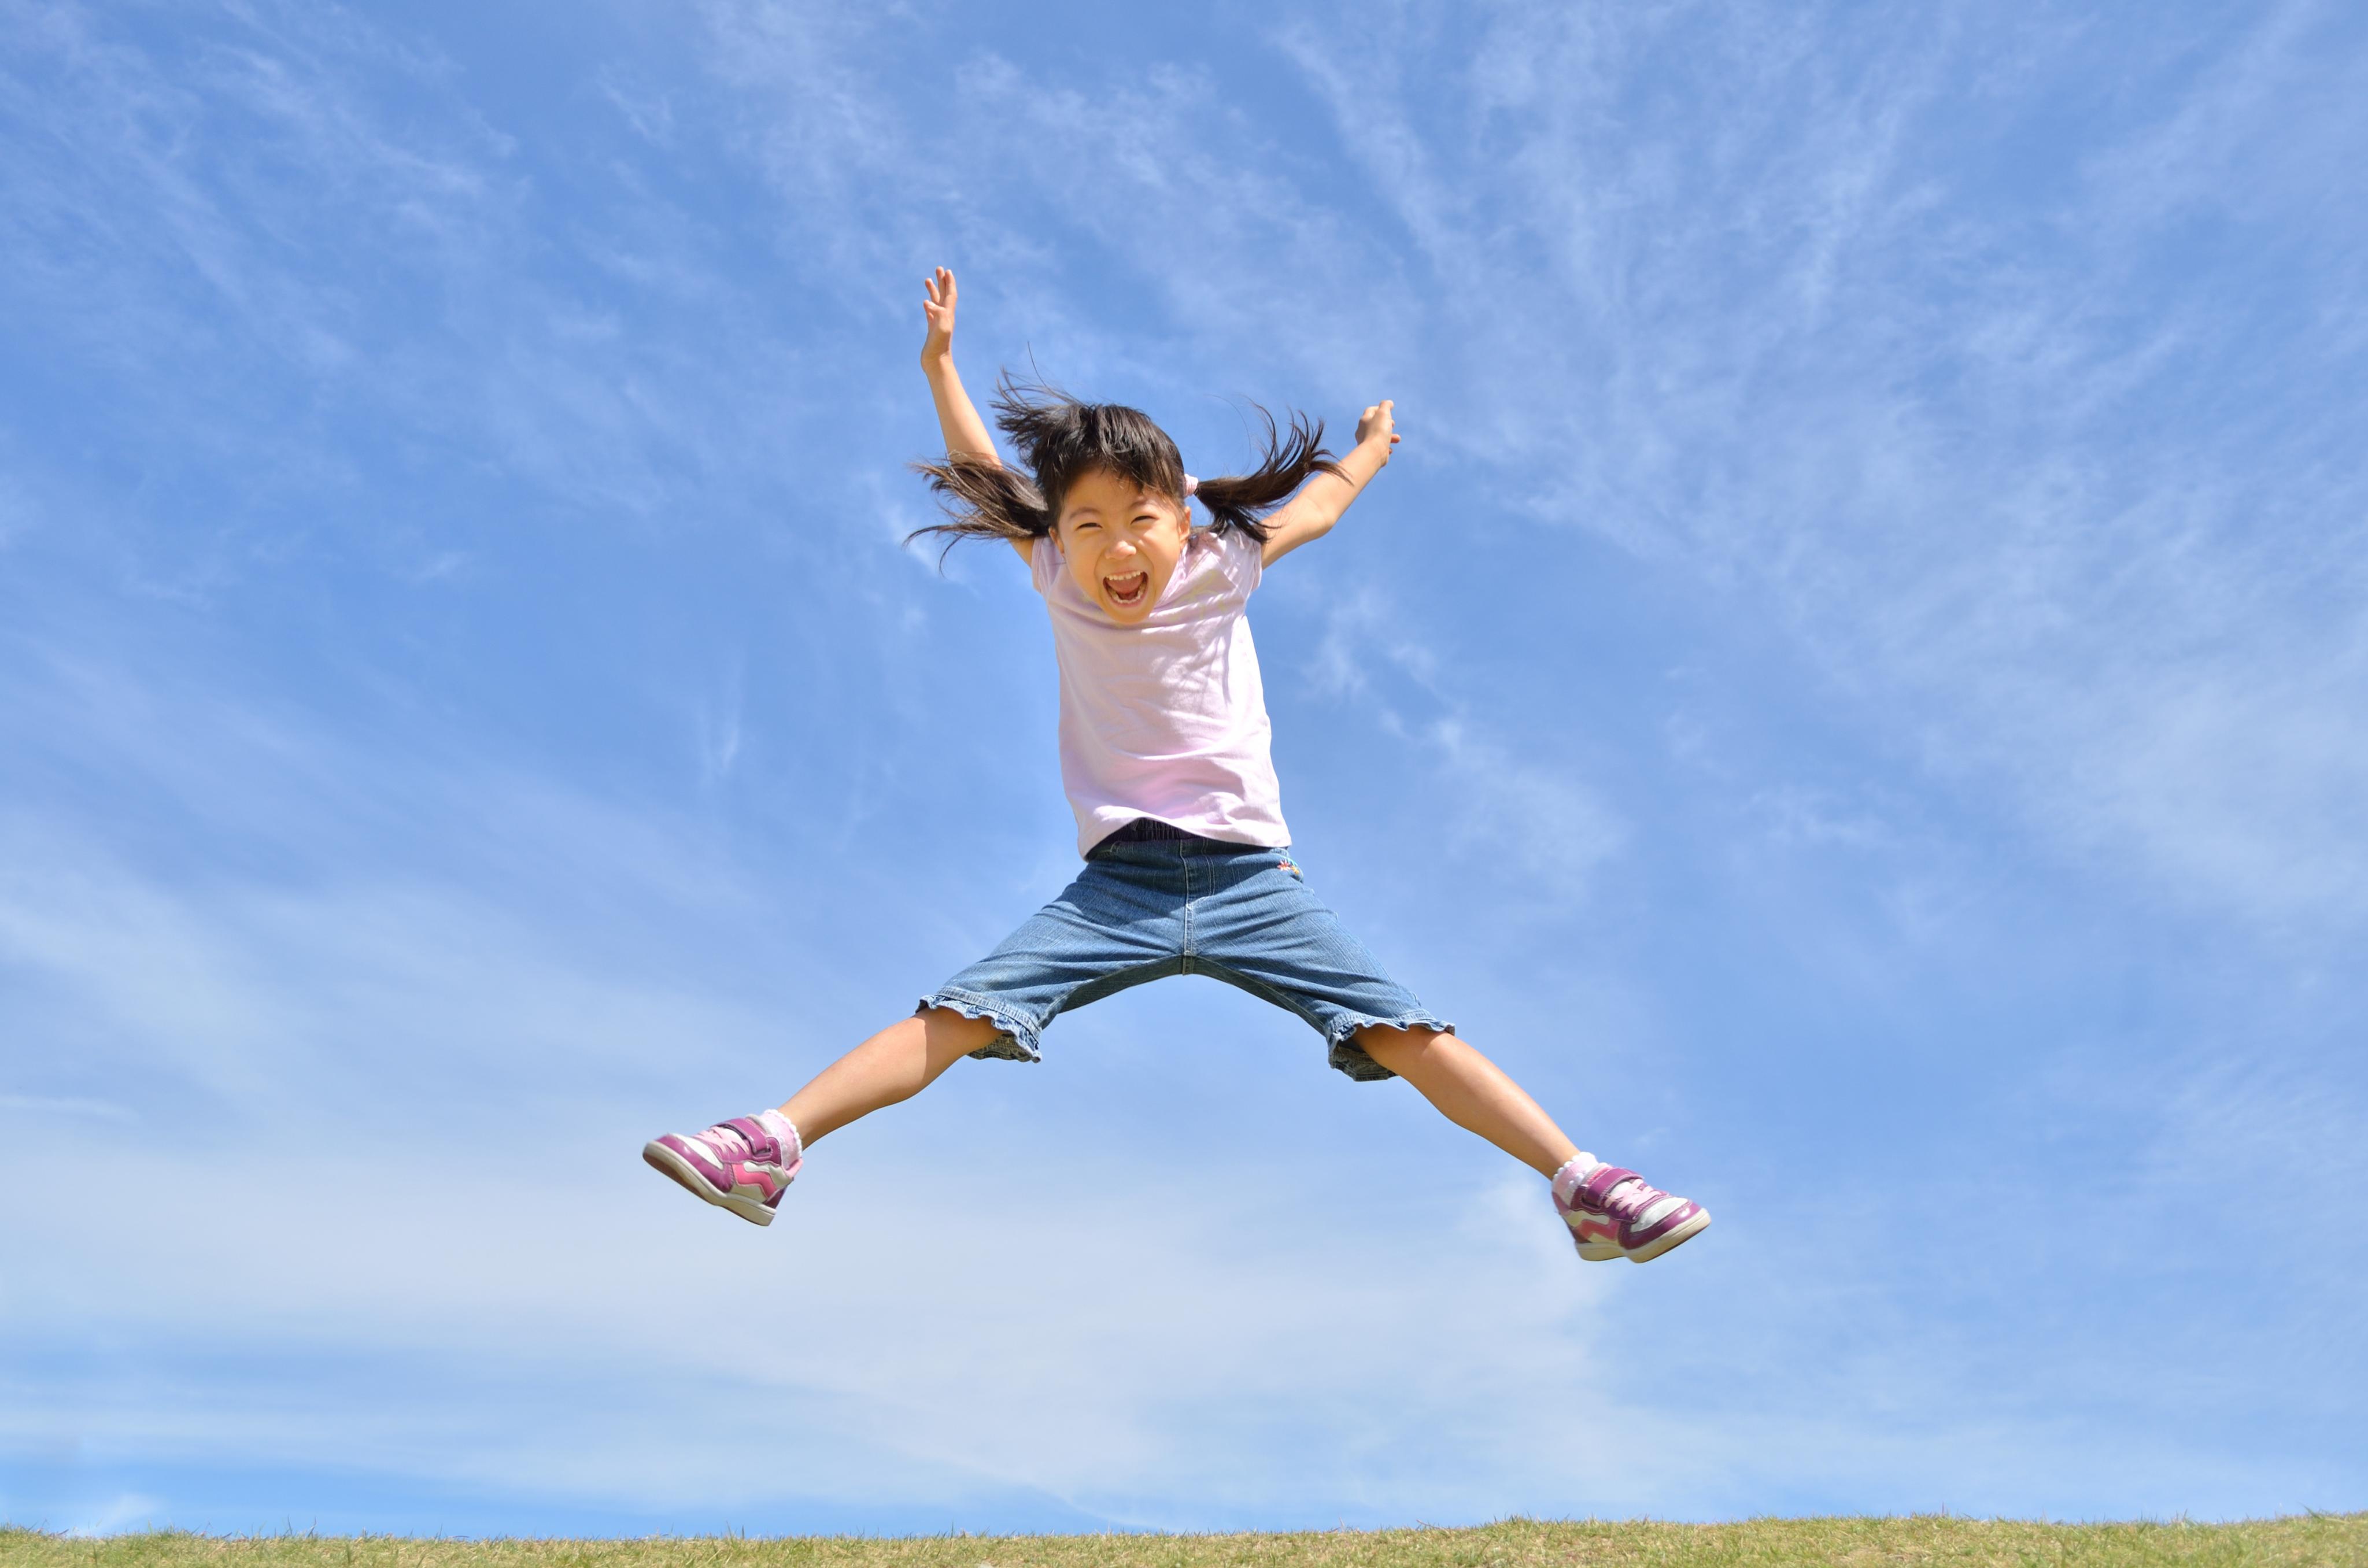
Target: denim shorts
{"points": [[1146, 909]]}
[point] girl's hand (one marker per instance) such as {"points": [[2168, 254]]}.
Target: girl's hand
{"points": [[1376, 426], [940, 310]]}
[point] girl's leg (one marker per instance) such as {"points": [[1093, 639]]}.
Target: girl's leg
{"points": [[1472, 1092], [894, 1064], [745, 1165]]}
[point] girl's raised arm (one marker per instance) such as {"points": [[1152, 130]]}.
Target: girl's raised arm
{"points": [[965, 432], [1311, 513]]}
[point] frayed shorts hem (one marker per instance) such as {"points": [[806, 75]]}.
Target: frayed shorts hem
{"points": [[1144, 910], [1345, 1055], [1022, 1041], [1019, 1040]]}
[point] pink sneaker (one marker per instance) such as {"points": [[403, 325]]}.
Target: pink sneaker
{"points": [[1612, 1213], [742, 1164]]}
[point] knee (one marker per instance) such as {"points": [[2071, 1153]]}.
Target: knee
{"points": [[945, 1028], [1393, 1046]]}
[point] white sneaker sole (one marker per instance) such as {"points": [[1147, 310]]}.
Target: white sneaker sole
{"points": [[666, 1161], [1600, 1251]]}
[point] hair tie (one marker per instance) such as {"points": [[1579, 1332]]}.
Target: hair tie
{"points": [[1191, 485]]}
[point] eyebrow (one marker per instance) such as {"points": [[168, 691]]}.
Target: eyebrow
{"points": [[1072, 514]]}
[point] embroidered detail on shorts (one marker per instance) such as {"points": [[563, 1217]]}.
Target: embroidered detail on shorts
{"points": [[1285, 862]]}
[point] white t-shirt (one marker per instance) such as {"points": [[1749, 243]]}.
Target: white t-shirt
{"points": [[1165, 718]]}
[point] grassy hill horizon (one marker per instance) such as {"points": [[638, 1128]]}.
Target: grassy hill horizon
{"points": [[2307, 1541]]}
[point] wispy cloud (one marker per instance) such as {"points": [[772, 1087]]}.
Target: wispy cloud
{"points": [[1050, 1391], [1754, 342], [1962, 448], [1849, 687], [224, 220], [1528, 814]]}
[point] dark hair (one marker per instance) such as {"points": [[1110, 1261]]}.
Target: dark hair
{"points": [[1059, 439]]}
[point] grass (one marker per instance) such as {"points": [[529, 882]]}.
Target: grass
{"points": [[2310, 1540]]}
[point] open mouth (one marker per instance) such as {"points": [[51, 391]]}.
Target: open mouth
{"points": [[1128, 591]]}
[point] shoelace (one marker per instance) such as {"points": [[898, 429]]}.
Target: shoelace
{"points": [[727, 1142], [1631, 1197]]}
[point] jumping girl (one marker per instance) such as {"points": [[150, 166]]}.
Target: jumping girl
{"points": [[1164, 755]]}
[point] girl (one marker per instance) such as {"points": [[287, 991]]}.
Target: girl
{"points": [[1164, 755]]}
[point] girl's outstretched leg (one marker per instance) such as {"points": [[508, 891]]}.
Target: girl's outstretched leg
{"points": [[1472, 1092], [1611, 1211], [894, 1064], [745, 1165]]}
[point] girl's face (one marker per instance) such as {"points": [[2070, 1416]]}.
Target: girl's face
{"points": [[1122, 542]]}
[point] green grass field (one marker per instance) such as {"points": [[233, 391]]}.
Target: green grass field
{"points": [[2317, 1540]]}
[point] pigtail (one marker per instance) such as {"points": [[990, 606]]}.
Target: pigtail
{"points": [[1055, 437], [1241, 502], [982, 499]]}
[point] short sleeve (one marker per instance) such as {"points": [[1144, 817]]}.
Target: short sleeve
{"points": [[1242, 559], [1043, 563]]}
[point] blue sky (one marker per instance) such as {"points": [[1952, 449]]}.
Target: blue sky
{"points": [[1852, 692]]}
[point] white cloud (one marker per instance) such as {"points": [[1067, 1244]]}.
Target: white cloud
{"points": [[395, 1009], [974, 1327], [1530, 813], [403, 1185], [1960, 448], [719, 720], [299, 242], [1542, 818], [1751, 343], [1068, 1326]]}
